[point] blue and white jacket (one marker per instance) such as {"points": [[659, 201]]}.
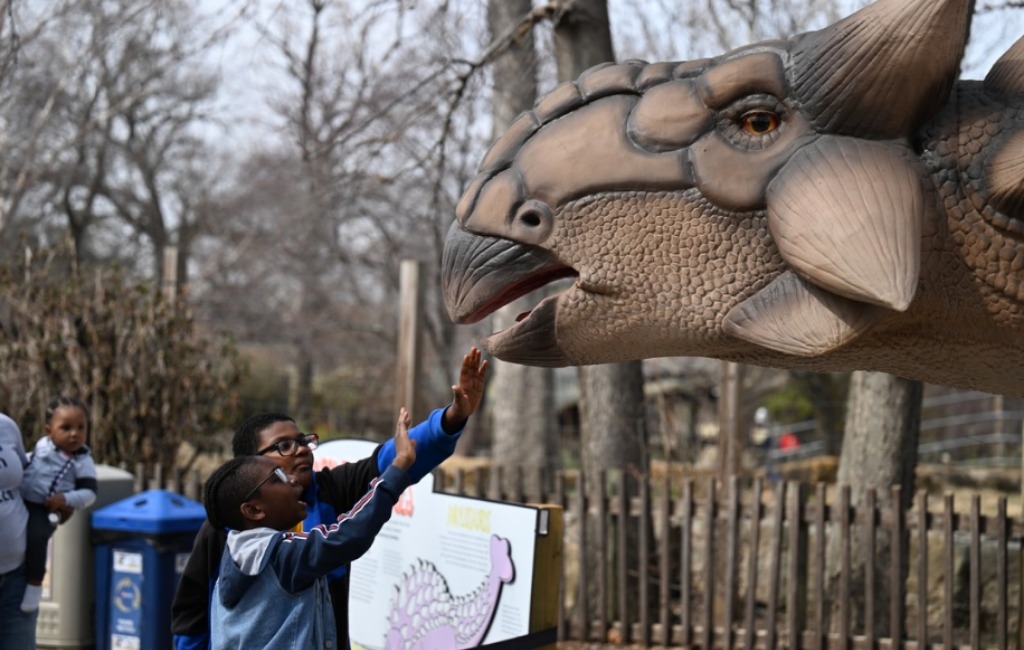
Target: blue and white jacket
{"points": [[272, 589]]}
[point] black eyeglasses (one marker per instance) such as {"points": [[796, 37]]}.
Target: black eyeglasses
{"points": [[290, 446], [278, 472]]}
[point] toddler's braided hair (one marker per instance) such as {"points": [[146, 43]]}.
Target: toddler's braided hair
{"points": [[244, 441], [63, 400], [224, 491]]}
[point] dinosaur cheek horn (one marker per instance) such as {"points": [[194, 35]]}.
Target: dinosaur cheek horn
{"points": [[868, 248], [885, 70]]}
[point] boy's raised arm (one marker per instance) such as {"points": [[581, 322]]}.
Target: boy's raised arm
{"points": [[468, 393]]}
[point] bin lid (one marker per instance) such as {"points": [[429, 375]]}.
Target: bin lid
{"points": [[152, 512]]}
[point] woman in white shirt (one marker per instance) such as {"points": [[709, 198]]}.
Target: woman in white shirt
{"points": [[19, 628]]}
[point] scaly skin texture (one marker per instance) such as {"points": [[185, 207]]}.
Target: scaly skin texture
{"points": [[836, 201]]}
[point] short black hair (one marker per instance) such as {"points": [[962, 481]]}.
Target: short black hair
{"points": [[225, 491], [245, 440]]}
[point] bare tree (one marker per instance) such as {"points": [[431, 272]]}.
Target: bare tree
{"points": [[318, 217], [109, 97], [613, 429], [524, 416]]}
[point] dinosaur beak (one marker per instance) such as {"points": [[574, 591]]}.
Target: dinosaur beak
{"points": [[480, 274]]}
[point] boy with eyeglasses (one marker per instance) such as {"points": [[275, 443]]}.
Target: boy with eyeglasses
{"points": [[326, 494], [272, 588]]}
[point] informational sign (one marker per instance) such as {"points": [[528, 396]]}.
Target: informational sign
{"points": [[445, 572]]}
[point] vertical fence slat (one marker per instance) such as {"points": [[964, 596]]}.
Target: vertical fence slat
{"points": [[665, 517], [775, 569], [871, 506], [560, 499], [922, 569], [643, 561], [538, 485], [796, 584], [602, 550], [1002, 569], [709, 567], [685, 557], [582, 607], [750, 632], [1020, 597], [731, 546], [497, 488], [480, 484], [842, 517], [622, 556], [948, 528], [975, 588], [820, 633], [896, 585]]}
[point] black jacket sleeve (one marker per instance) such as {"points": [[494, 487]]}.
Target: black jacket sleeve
{"points": [[343, 485], [190, 609]]}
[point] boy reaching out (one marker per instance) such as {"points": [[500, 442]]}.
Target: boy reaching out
{"points": [[272, 588]]}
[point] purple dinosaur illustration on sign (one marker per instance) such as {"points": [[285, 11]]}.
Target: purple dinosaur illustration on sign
{"points": [[425, 616]]}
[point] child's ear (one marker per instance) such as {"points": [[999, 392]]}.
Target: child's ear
{"points": [[253, 511]]}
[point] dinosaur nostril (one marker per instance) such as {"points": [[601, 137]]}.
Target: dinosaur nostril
{"points": [[530, 218], [533, 221]]}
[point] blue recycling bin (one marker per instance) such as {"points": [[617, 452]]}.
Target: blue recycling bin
{"points": [[141, 544]]}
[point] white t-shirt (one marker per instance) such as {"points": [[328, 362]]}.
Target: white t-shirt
{"points": [[12, 509]]}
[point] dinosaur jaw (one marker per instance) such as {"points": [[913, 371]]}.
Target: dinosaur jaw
{"points": [[532, 340], [480, 275]]}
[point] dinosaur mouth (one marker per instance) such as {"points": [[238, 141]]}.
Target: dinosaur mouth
{"points": [[483, 274]]}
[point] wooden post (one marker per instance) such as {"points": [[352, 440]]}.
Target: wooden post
{"points": [[169, 281], [730, 442], [410, 336], [547, 563]]}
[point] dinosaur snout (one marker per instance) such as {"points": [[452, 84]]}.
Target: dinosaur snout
{"points": [[500, 211]]}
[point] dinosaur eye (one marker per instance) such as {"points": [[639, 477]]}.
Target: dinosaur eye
{"points": [[759, 122]]}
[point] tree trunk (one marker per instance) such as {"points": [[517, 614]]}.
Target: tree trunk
{"points": [[524, 414], [879, 451], [613, 432], [826, 392], [583, 37]]}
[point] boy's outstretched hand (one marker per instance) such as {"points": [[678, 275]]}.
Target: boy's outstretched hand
{"points": [[468, 393], [405, 447]]}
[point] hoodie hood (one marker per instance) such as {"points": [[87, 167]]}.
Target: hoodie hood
{"points": [[248, 552]]}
